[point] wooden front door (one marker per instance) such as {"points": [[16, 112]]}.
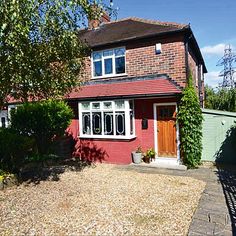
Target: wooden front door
{"points": [[166, 131]]}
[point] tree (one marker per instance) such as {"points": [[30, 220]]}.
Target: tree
{"points": [[189, 118], [221, 99], [40, 54]]}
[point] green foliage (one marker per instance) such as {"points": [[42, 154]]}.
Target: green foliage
{"points": [[42, 121], [40, 53], [41, 159], [150, 153], [13, 149], [221, 99], [189, 118]]}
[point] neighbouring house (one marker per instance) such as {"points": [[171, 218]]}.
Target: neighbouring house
{"points": [[135, 76]]}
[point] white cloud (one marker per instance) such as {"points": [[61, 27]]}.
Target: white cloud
{"points": [[212, 78], [217, 49]]}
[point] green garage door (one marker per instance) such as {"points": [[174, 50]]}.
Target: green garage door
{"points": [[219, 139]]}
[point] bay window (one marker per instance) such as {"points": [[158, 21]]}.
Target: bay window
{"points": [[106, 119], [108, 62]]}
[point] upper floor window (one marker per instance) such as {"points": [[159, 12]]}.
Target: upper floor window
{"points": [[109, 62]]}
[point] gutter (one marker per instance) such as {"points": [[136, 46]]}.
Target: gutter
{"points": [[123, 96], [190, 39]]}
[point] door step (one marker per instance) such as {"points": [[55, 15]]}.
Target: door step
{"points": [[163, 165]]}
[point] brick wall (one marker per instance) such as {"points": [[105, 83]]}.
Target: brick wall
{"points": [[141, 59]]}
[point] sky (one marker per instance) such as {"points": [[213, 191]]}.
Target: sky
{"points": [[213, 23]]}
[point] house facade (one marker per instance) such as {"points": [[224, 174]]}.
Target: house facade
{"points": [[135, 76]]}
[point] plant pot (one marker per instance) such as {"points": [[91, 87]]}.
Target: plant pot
{"points": [[146, 159], [137, 157]]}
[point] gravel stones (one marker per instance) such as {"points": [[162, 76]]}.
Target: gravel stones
{"points": [[101, 200]]}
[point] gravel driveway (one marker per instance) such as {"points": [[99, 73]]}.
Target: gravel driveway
{"points": [[101, 200]]}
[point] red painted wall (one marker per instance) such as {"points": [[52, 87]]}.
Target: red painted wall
{"points": [[119, 151]]}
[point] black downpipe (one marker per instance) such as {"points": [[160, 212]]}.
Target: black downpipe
{"points": [[186, 45], [186, 59]]}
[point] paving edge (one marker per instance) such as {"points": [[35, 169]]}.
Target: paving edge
{"points": [[162, 166]]}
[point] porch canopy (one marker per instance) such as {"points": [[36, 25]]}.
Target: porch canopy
{"points": [[152, 86]]}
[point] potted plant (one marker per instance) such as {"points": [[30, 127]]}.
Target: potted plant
{"points": [[149, 155], [137, 155]]}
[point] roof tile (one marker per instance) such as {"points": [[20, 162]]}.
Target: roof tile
{"points": [[126, 29]]}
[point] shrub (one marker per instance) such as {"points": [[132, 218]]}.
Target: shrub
{"points": [[42, 121], [13, 150], [190, 119]]}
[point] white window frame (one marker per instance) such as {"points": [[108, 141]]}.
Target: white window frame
{"points": [[103, 64], [126, 110], [3, 114]]}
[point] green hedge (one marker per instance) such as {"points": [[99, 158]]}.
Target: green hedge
{"points": [[42, 121], [13, 150]]}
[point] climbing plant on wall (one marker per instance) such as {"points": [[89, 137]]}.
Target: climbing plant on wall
{"points": [[189, 118]]}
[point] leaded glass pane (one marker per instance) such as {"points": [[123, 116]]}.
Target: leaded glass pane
{"points": [[119, 104], [97, 56], [97, 123], [95, 105], [120, 65], [85, 105], [107, 105], [108, 66], [120, 123], [86, 123], [108, 123], [120, 52]]}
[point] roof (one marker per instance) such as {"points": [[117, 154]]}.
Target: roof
{"points": [[133, 28], [135, 87], [127, 29]]}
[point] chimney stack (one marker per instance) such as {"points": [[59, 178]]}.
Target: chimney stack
{"points": [[95, 23]]}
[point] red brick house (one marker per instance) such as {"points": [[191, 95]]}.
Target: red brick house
{"points": [[135, 76]]}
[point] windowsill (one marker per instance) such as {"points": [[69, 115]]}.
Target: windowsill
{"points": [[109, 76], [107, 137]]}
